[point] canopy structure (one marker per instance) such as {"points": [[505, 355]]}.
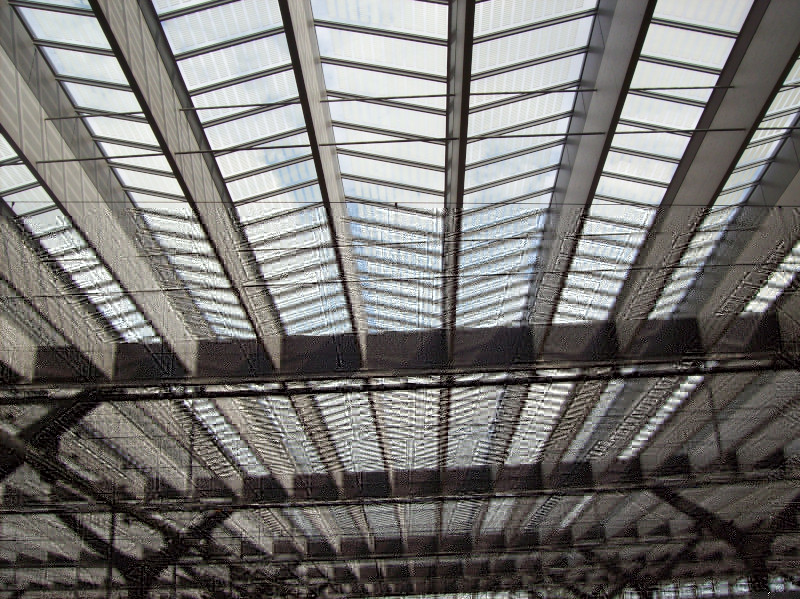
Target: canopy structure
{"points": [[379, 298]]}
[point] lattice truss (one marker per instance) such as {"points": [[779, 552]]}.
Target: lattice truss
{"points": [[363, 298]]}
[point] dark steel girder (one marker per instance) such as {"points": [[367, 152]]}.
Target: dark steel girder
{"points": [[662, 347], [404, 487], [46, 432]]}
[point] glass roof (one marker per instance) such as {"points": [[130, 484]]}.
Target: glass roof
{"points": [[332, 141]]}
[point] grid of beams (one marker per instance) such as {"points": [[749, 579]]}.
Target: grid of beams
{"points": [[328, 298]]}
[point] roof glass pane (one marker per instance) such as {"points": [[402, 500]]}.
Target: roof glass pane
{"points": [[504, 116], [661, 113], [532, 78], [639, 167], [411, 419], [365, 82], [122, 130], [13, 176], [402, 16], [65, 28], [155, 162], [102, 98], [71, 63], [231, 63], [392, 173], [349, 418], [512, 166], [529, 138], [522, 47], [685, 46], [149, 182], [725, 15], [246, 96], [272, 180], [30, 200], [255, 127], [499, 15], [655, 77], [638, 139], [389, 118], [515, 189], [261, 209], [389, 146], [263, 154], [391, 52], [221, 24]]}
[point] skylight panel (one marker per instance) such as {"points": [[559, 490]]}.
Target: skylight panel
{"points": [[71, 63], [376, 84], [715, 14], [102, 98], [673, 402], [65, 28], [492, 119], [229, 64], [219, 24], [389, 118], [394, 53], [539, 414], [520, 188], [122, 130], [412, 425], [272, 180], [512, 166], [540, 135], [777, 283], [660, 113], [149, 182], [15, 176], [667, 80], [692, 48], [391, 172], [352, 428], [246, 96], [500, 15], [255, 127], [473, 415], [427, 153], [401, 16], [537, 77]]}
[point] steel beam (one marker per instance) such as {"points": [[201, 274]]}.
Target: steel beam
{"points": [[298, 22], [623, 26], [36, 285], [764, 48], [23, 117], [592, 350], [144, 56]]}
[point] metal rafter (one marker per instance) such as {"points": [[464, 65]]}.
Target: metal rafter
{"points": [[136, 38], [301, 38], [757, 63]]}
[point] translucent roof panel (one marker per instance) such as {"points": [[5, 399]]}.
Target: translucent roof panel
{"points": [[502, 15], [520, 48], [352, 427], [412, 422], [402, 16], [221, 24], [394, 53]]}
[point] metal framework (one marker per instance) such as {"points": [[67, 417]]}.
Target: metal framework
{"points": [[359, 298]]}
